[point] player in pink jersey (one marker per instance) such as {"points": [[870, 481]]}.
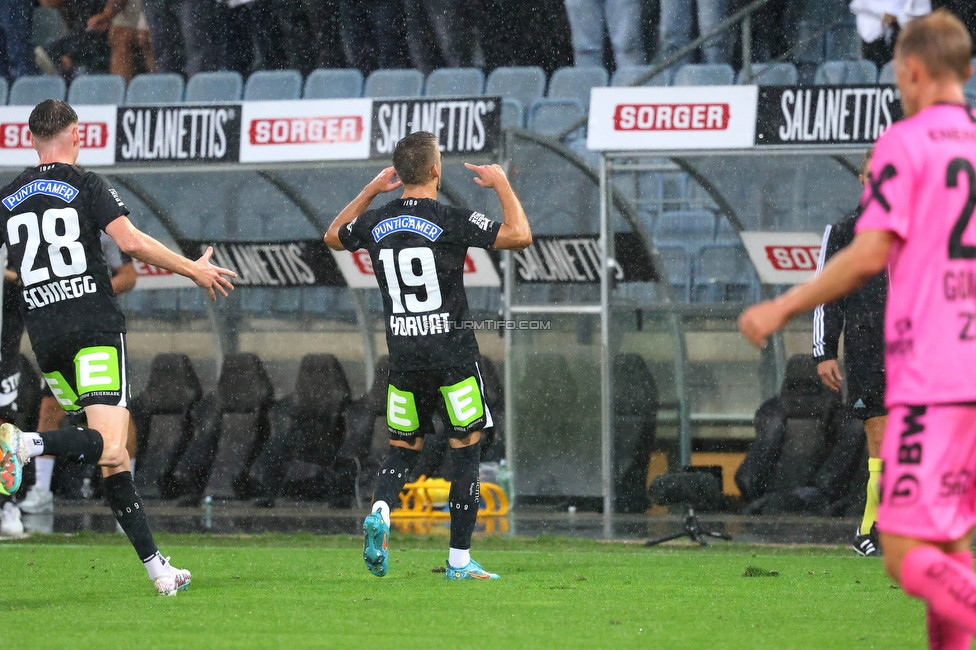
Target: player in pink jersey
{"points": [[918, 205]]}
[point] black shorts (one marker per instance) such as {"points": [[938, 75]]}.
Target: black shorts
{"points": [[866, 391], [83, 368], [456, 394]]}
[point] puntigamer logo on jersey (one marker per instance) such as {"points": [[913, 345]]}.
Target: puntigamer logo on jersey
{"points": [[407, 223], [56, 189], [179, 134]]}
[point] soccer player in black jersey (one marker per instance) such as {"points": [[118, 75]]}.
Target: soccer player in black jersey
{"points": [[861, 318], [417, 247], [51, 218]]}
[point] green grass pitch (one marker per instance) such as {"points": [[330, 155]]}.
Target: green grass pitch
{"points": [[303, 591]]}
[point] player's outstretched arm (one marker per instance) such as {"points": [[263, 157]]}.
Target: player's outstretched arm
{"points": [[141, 246], [515, 233], [385, 181], [846, 271]]}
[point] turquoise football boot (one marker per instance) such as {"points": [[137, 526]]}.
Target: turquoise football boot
{"points": [[376, 544], [472, 571]]}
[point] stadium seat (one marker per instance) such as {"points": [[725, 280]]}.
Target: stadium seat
{"points": [[575, 83], [635, 406], [513, 113], [724, 273], [4, 89], [552, 116], [394, 83], [329, 83], [628, 76], [843, 43], [47, 26], [364, 446], [846, 73], [219, 459], [269, 85], [677, 267], [887, 74], [454, 82], [726, 233], [704, 74], [32, 90], [812, 50], [691, 229], [155, 89], [300, 457], [524, 84], [791, 442], [97, 89], [777, 74], [223, 86], [161, 414]]}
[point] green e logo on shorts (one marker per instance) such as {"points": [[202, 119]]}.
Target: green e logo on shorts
{"points": [[463, 401], [401, 410], [97, 369], [61, 390]]}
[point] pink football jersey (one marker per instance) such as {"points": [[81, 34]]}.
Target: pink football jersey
{"points": [[923, 189]]}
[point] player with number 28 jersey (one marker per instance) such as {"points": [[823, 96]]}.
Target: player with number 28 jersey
{"points": [[52, 217]]}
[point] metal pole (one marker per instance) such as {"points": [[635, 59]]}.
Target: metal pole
{"points": [[508, 280], [606, 378], [747, 49]]}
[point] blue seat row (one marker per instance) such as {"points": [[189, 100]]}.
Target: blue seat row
{"points": [[714, 273]]}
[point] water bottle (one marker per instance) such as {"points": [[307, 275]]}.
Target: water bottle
{"points": [[207, 512], [503, 477], [86, 489]]}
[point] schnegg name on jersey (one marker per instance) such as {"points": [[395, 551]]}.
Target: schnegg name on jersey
{"points": [[58, 291]]}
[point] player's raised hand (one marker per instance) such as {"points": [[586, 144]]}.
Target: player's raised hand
{"points": [[489, 176], [760, 321], [212, 277], [385, 181]]}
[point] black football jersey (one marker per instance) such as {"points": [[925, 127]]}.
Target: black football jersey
{"points": [[51, 219], [418, 247]]}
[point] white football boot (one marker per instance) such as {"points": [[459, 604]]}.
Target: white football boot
{"points": [[174, 581], [38, 501]]}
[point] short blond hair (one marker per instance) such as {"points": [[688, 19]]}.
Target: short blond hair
{"points": [[940, 41]]}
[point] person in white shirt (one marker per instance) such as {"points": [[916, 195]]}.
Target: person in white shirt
{"points": [[878, 22]]}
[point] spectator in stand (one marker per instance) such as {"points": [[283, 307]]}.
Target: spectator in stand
{"points": [[772, 28], [622, 21], [514, 32], [440, 34], [677, 17], [253, 23], [374, 34], [185, 35], [311, 34], [128, 37], [80, 50], [16, 53], [878, 23]]}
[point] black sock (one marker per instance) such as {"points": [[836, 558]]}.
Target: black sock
{"points": [[128, 510], [397, 465], [75, 444], [465, 494]]}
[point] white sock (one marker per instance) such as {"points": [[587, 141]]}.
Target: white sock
{"points": [[35, 444], [384, 510], [459, 558], [132, 467], [156, 566], [43, 469]]}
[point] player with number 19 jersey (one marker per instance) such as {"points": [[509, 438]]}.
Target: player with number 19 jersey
{"points": [[923, 190], [51, 219], [418, 248]]}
